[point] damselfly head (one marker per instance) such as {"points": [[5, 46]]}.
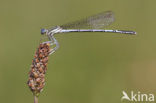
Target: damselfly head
{"points": [[43, 31]]}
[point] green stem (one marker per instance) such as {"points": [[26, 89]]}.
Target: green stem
{"points": [[35, 99]]}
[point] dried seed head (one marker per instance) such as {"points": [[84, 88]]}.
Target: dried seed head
{"points": [[36, 79]]}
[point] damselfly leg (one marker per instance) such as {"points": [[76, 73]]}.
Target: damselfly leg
{"points": [[53, 42]]}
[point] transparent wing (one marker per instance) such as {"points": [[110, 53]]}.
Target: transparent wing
{"points": [[93, 22]]}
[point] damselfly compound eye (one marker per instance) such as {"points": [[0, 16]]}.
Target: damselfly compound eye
{"points": [[43, 31]]}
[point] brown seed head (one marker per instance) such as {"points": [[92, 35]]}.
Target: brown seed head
{"points": [[38, 68]]}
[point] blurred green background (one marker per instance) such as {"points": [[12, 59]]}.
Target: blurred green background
{"points": [[88, 67]]}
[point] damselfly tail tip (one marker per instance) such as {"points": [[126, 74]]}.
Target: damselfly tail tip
{"points": [[134, 33], [130, 32]]}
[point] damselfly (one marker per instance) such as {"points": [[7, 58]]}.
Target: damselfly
{"points": [[90, 24]]}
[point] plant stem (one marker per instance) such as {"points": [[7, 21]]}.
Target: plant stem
{"points": [[35, 99]]}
